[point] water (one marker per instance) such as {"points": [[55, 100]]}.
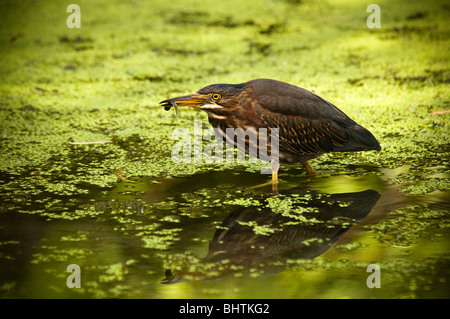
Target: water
{"points": [[138, 233], [213, 236]]}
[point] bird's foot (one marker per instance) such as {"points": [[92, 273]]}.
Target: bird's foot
{"points": [[273, 182], [309, 170]]}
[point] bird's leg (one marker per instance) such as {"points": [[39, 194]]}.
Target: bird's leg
{"points": [[275, 165], [311, 171], [274, 178], [275, 183]]}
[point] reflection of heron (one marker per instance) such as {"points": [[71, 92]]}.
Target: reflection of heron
{"points": [[269, 235]]}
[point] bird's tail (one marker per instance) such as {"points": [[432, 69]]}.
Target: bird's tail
{"points": [[360, 139]]}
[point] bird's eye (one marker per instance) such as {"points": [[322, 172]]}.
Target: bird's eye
{"points": [[216, 96]]}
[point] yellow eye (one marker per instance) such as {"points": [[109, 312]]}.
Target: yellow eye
{"points": [[216, 96]]}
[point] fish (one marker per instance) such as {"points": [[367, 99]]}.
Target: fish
{"points": [[167, 107]]}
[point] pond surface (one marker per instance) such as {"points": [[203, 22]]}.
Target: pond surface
{"points": [[87, 178], [213, 236]]}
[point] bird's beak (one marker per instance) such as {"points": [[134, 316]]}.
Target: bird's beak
{"points": [[194, 100]]}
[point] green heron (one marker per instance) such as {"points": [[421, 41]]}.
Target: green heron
{"points": [[308, 126]]}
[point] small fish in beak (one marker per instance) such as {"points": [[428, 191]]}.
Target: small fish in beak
{"points": [[174, 104]]}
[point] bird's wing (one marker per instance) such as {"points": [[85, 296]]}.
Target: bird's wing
{"points": [[288, 99], [306, 125]]}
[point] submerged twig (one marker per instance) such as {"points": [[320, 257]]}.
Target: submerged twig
{"points": [[439, 112], [89, 143], [119, 175]]}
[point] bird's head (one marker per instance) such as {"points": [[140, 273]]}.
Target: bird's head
{"points": [[214, 98]]}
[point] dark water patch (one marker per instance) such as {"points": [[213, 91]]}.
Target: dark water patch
{"points": [[77, 43], [354, 59], [407, 31], [417, 15], [294, 2], [272, 28], [432, 77], [203, 18], [75, 39], [185, 17], [183, 52], [230, 22], [259, 46], [151, 78]]}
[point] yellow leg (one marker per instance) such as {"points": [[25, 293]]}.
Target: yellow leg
{"points": [[275, 178], [275, 165], [311, 171], [275, 182]]}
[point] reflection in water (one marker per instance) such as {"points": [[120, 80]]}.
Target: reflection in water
{"points": [[298, 224]]}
